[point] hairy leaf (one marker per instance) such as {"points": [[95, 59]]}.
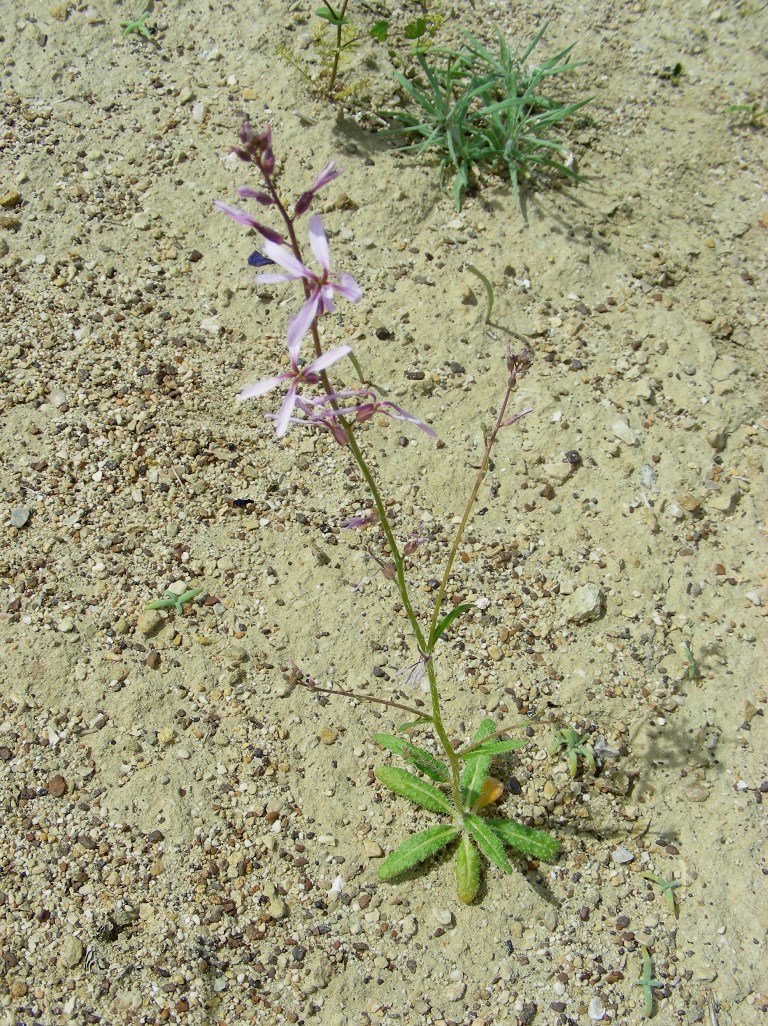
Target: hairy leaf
{"points": [[493, 748], [488, 842], [467, 870], [476, 770], [535, 843], [418, 757], [412, 787], [416, 849]]}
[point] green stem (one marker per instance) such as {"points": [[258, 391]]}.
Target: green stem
{"points": [[448, 748], [337, 52], [365, 470], [489, 441], [426, 647]]}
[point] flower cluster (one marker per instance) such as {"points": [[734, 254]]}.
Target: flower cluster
{"points": [[331, 410]]}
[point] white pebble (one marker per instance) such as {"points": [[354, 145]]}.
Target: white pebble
{"points": [[624, 432], [596, 1011]]}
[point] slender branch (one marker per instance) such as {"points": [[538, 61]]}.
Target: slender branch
{"points": [[341, 693], [489, 442]]}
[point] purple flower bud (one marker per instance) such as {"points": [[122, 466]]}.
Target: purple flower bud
{"points": [[270, 234], [302, 204], [329, 172], [248, 221], [257, 147], [261, 197]]}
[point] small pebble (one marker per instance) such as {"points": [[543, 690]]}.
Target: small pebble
{"points": [[624, 432], [556, 473], [56, 786], [596, 1009], [696, 793], [149, 621], [585, 604], [455, 991], [20, 516], [442, 916], [621, 856], [71, 952]]}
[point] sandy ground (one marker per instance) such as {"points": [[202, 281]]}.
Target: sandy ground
{"points": [[183, 837]]}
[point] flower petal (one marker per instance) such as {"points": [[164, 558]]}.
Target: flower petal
{"points": [[261, 387], [272, 277], [299, 325], [318, 240], [402, 414], [327, 358], [284, 416], [237, 215], [349, 288], [327, 304], [245, 192], [329, 172], [286, 259]]}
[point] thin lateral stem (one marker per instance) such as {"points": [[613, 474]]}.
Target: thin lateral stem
{"points": [[341, 693], [489, 441]]}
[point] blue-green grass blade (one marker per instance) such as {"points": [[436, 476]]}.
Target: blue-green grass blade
{"points": [[418, 757], [416, 849], [487, 841], [532, 46], [409, 786], [536, 843]]}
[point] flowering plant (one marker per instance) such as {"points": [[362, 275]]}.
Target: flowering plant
{"points": [[461, 786]]}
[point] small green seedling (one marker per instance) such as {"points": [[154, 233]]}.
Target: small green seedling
{"points": [[339, 21], [576, 747], [138, 25], [693, 669], [749, 115], [171, 601], [668, 888], [472, 832], [648, 983], [331, 51]]}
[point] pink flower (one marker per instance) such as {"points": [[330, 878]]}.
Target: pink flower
{"points": [[364, 411], [297, 376], [366, 521], [320, 300]]}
